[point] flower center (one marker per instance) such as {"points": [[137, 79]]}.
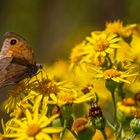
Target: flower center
{"points": [[111, 73], [129, 102], [33, 130], [50, 88], [47, 87], [101, 45]]}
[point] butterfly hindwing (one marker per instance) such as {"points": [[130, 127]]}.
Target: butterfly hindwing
{"points": [[12, 74]]}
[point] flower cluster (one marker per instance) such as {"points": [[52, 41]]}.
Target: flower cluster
{"points": [[97, 90], [37, 107]]}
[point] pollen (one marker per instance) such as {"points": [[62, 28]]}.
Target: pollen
{"points": [[110, 73], [47, 86], [101, 45], [33, 130]]}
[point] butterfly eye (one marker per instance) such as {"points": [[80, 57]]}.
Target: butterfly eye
{"points": [[13, 42]]}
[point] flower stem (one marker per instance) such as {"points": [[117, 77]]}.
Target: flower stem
{"points": [[110, 125], [132, 137], [114, 104], [109, 60], [104, 134], [119, 133], [62, 134]]}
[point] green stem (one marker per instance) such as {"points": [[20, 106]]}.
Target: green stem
{"points": [[119, 132], [104, 134], [110, 125], [62, 134], [123, 134], [109, 60], [65, 123], [114, 104], [132, 137], [115, 53]]}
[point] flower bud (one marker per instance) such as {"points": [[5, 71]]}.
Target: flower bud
{"points": [[135, 123], [95, 113], [79, 124], [121, 116], [110, 85], [66, 111], [99, 123]]}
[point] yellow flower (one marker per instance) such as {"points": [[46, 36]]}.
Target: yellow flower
{"points": [[124, 52], [99, 61], [5, 131], [115, 75], [78, 57], [109, 133], [127, 30], [77, 53], [16, 94], [134, 56], [45, 88], [114, 27], [33, 126], [128, 106], [19, 110], [103, 43], [70, 97], [131, 56], [118, 28]]}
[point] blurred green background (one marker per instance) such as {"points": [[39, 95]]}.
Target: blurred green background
{"points": [[53, 27]]}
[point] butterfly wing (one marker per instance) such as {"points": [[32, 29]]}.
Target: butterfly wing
{"points": [[17, 59], [4, 62], [17, 47], [12, 74]]}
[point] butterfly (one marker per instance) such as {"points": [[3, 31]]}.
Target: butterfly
{"points": [[17, 60]]}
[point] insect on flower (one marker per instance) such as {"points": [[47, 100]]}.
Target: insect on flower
{"points": [[17, 60]]}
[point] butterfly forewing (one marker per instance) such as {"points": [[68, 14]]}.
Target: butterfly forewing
{"points": [[17, 60], [4, 62], [20, 50]]}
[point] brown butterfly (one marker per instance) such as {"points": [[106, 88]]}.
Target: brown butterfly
{"points": [[17, 60]]}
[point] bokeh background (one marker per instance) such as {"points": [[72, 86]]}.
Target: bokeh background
{"points": [[53, 27]]}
